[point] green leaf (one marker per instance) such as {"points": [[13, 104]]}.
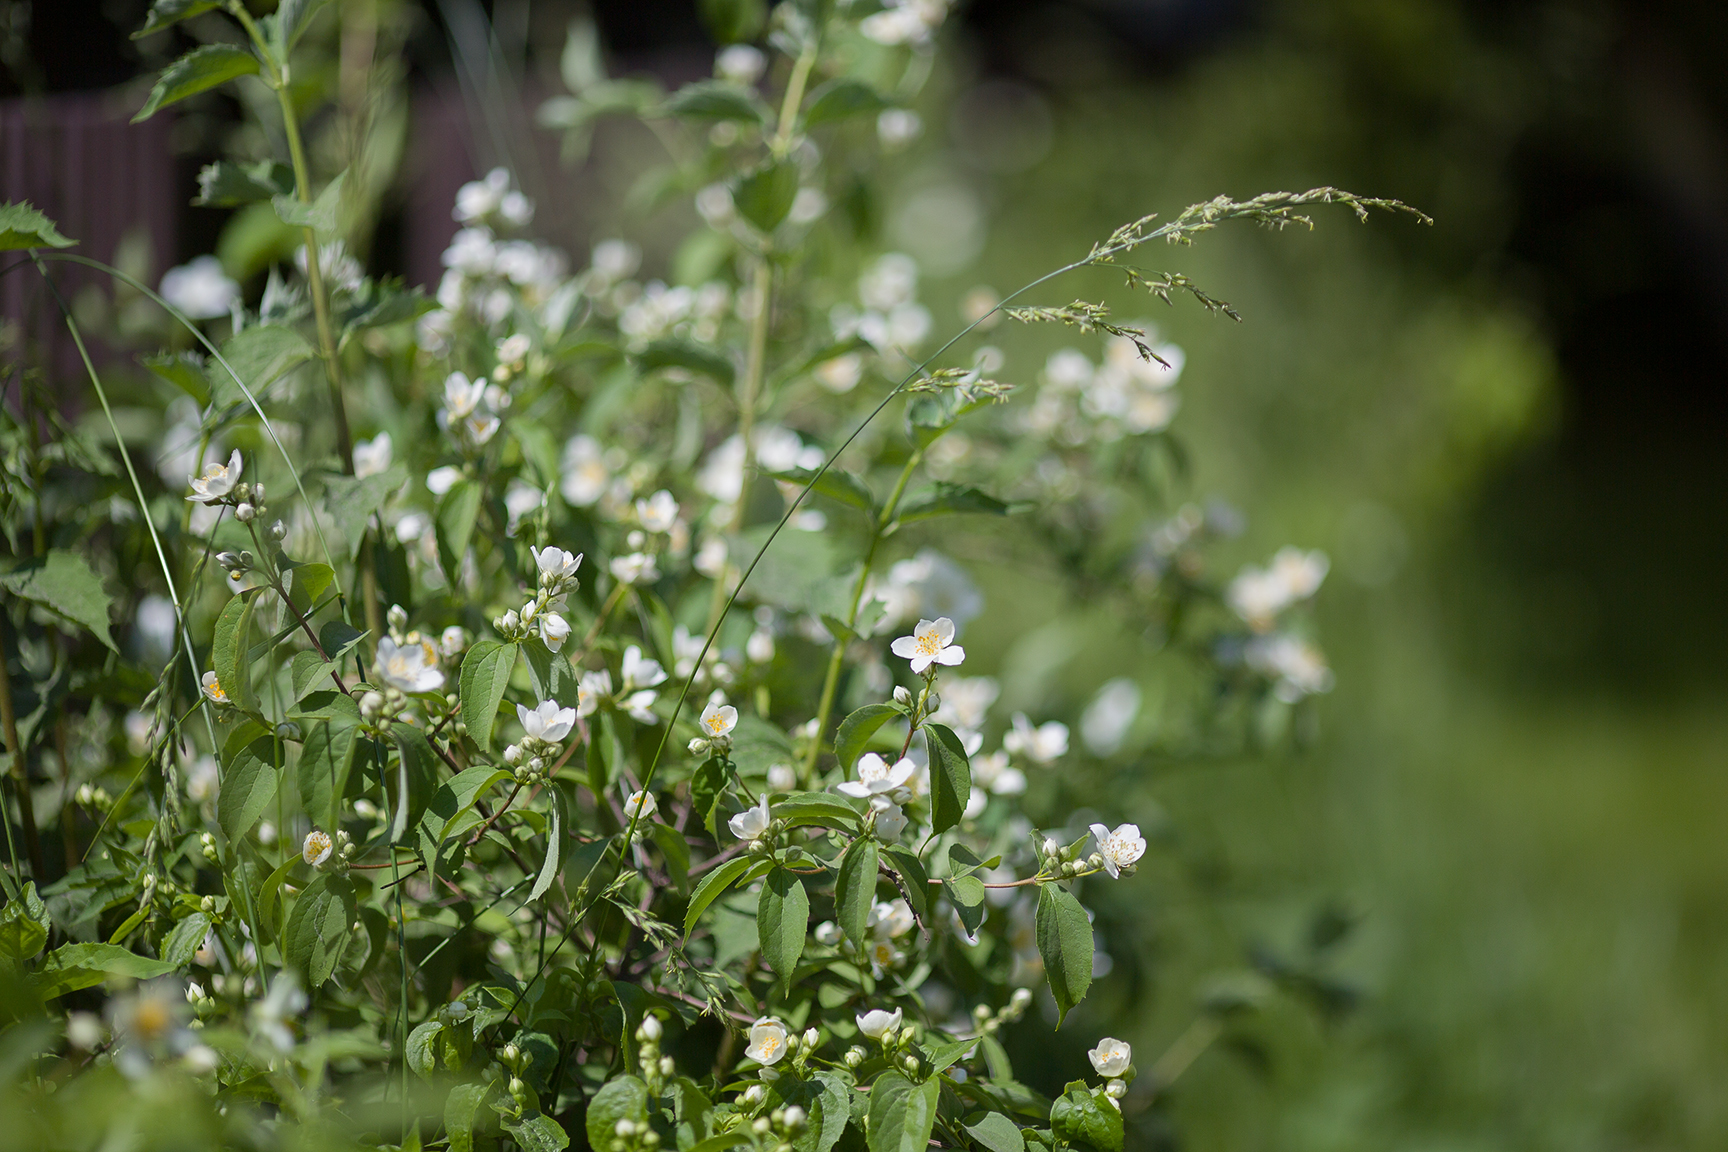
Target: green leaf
{"points": [[22, 933], [706, 785], [624, 1098], [950, 777], [550, 674], [712, 885], [676, 850], [458, 509], [997, 1133], [166, 13], [836, 484], [248, 782], [1086, 1117], [271, 888], [458, 794], [292, 19], [338, 639], [352, 501], [966, 893], [326, 759], [64, 582], [423, 1048], [184, 370], [229, 652], [855, 890], [687, 354], [549, 869], [380, 303], [461, 1107], [947, 500], [416, 775], [840, 98], [733, 21], [22, 226], [485, 675], [783, 921], [226, 184], [911, 869], [184, 942], [1065, 943], [320, 215], [318, 927], [902, 1113], [856, 730], [801, 809], [307, 673], [716, 100], [74, 966], [197, 71], [538, 1133], [764, 196], [308, 582], [259, 355]]}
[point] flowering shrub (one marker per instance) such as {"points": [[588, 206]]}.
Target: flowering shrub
{"points": [[587, 753]]}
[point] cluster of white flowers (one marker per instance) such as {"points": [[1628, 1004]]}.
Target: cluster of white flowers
{"points": [[485, 276], [1261, 595], [913, 22], [1295, 666], [544, 729], [891, 320], [201, 289], [540, 617], [472, 410], [927, 584], [655, 312], [1079, 402], [1114, 1060]]}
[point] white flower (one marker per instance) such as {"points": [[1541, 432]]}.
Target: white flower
{"points": [[659, 512], [1258, 595], [640, 706], [585, 475], [740, 64], [548, 721], [767, 1041], [752, 823], [878, 1024], [905, 22], [1297, 666], [636, 568], [520, 500], [213, 689], [875, 776], [591, 688], [1111, 1058], [883, 956], [890, 820], [1041, 745], [462, 396], [759, 648], [441, 480], [722, 475], [640, 805], [217, 480], [718, 720], [613, 260], [202, 779], [452, 640], [317, 848], [1301, 572], [929, 583], [966, 702], [710, 558], [931, 642], [200, 289], [841, 374], [480, 198], [898, 127], [782, 777], [556, 565], [553, 629], [992, 772], [514, 349], [1120, 848], [640, 672], [892, 918], [405, 667], [372, 456]]}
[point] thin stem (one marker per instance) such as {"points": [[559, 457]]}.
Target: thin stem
{"points": [[9, 720], [493, 819]]}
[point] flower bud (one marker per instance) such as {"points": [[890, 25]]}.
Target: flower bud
{"points": [[762, 1126], [854, 1056], [279, 530], [649, 1139], [811, 1039], [510, 621], [755, 1094], [1095, 861], [518, 1089], [1051, 848], [398, 617], [908, 1034], [513, 755], [371, 704], [910, 1063], [207, 905], [901, 696], [1021, 998], [229, 560], [289, 730], [650, 1029], [1116, 1089], [625, 1128], [667, 1067], [933, 701], [794, 1118], [245, 513], [257, 493], [511, 1054]]}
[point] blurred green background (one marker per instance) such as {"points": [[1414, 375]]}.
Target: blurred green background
{"points": [[1506, 430]]}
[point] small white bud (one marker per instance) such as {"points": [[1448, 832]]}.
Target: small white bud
{"points": [[650, 1029], [398, 617], [811, 1039], [901, 696], [795, 1117], [279, 530], [762, 1126], [245, 513], [625, 1128]]}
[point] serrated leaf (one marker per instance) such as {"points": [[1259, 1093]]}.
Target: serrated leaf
{"points": [[783, 921], [185, 940], [836, 484], [64, 582], [326, 759], [292, 19], [716, 100], [338, 639], [199, 70], [166, 13], [950, 777], [352, 501], [1086, 1117], [857, 729], [996, 1133], [318, 927], [248, 783], [623, 1098], [711, 887], [259, 355], [23, 934], [225, 184], [902, 1113], [855, 890], [687, 354], [458, 794], [1065, 943], [320, 215], [22, 226], [458, 510], [485, 676], [231, 648], [538, 1133], [840, 98], [764, 195], [948, 500]]}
